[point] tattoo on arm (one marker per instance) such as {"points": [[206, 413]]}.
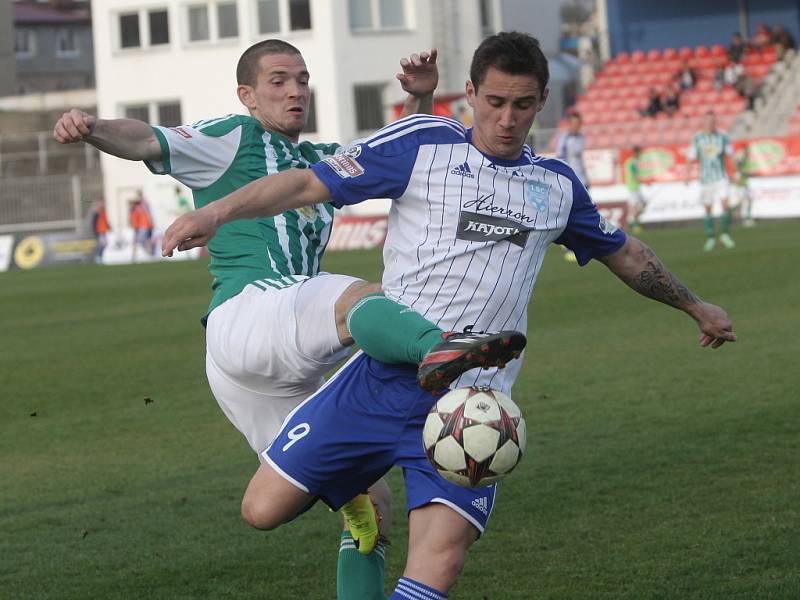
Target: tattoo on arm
{"points": [[657, 282]]}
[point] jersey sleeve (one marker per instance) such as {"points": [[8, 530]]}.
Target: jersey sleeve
{"points": [[588, 234], [363, 171], [193, 157], [691, 153]]}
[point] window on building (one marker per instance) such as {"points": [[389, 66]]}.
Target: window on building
{"points": [[129, 31], [67, 43], [376, 14], [369, 107], [24, 43], [227, 20], [299, 15], [159, 27], [269, 17], [391, 14], [198, 23], [311, 123], [169, 114], [141, 112]]}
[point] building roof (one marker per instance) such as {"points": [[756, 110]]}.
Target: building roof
{"points": [[34, 13]]}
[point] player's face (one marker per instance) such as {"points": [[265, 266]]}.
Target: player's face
{"points": [[710, 123], [504, 106], [281, 95]]}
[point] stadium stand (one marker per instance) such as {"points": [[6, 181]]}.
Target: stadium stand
{"points": [[612, 106]]}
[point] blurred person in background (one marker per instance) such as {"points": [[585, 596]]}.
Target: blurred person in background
{"points": [[672, 99], [100, 227], [686, 77], [569, 148], [636, 200], [738, 48], [183, 204], [762, 38], [141, 221], [782, 40], [742, 195], [654, 104], [712, 150]]}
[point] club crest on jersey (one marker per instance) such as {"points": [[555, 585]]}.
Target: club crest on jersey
{"points": [[353, 151], [538, 194], [606, 226], [344, 166], [309, 212], [474, 227]]}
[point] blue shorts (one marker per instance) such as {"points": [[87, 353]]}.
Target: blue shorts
{"points": [[367, 418]]}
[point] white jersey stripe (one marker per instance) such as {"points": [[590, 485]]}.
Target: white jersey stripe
{"points": [[410, 129], [407, 121]]}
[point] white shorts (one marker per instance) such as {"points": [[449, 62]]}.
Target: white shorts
{"points": [[268, 349], [713, 192], [636, 198]]}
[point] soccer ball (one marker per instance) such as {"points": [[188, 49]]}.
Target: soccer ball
{"points": [[474, 436]]}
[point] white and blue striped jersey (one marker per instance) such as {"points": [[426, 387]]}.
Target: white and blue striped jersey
{"points": [[467, 232]]}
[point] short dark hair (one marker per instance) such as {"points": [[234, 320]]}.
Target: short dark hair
{"points": [[247, 67], [511, 52]]}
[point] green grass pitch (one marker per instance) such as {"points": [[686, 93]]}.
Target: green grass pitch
{"points": [[654, 469]]}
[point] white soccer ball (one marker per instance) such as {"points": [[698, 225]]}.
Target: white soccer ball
{"points": [[474, 436]]}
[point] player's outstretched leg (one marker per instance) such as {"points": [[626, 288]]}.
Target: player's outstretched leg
{"points": [[459, 352], [393, 333]]}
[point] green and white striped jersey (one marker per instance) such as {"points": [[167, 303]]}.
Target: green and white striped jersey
{"points": [[710, 149], [216, 157]]}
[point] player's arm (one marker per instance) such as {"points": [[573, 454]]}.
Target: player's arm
{"points": [[639, 267], [264, 197], [419, 79], [125, 138]]}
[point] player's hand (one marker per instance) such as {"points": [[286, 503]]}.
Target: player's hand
{"points": [[74, 126], [420, 74], [715, 325], [191, 230]]}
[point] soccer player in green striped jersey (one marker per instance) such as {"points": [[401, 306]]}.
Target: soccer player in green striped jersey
{"points": [[712, 149], [275, 323]]}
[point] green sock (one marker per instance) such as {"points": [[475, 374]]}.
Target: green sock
{"points": [[391, 332], [725, 221], [359, 577], [708, 225]]}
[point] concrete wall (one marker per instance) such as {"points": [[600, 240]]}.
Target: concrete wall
{"points": [[7, 66]]}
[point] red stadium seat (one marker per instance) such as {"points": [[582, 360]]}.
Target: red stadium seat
{"points": [[701, 52], [685, 52], [670, 54], [623, 57], [638, 56], [718, 50], [654, 55]]}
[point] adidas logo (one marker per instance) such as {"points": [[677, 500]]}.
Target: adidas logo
{"points": [[481, 504], [463, 170]]}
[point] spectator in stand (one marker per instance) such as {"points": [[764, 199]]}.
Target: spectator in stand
{"points": [[719, 76], [672, 99], [738, 48], [762, 38], [654, 104], [100, 227], [732, 73], [686, 76], [782, 40], [746, 88]]}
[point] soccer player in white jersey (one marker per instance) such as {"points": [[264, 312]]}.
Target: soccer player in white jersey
{"points": [[275, 324], [472, 215], [713, 150]]}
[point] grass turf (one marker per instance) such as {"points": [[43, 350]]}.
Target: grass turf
{"points": [[654, 469]]}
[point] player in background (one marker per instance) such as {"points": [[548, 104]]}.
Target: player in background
{"points": [[637, 203], [275, 325], [712, 149], [742, 194], [569, 148], [473, 213]]}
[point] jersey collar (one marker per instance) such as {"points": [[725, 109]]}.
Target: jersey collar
{"points": [[524, 158]]}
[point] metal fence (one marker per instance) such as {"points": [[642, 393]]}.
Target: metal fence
{"points": [[48, 202]]}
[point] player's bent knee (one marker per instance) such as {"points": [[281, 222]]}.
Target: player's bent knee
{"points": [[382, 497], [258, 514], [441, 569]]}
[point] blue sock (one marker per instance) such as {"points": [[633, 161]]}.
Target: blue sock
{"points": [[408, 589]]}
